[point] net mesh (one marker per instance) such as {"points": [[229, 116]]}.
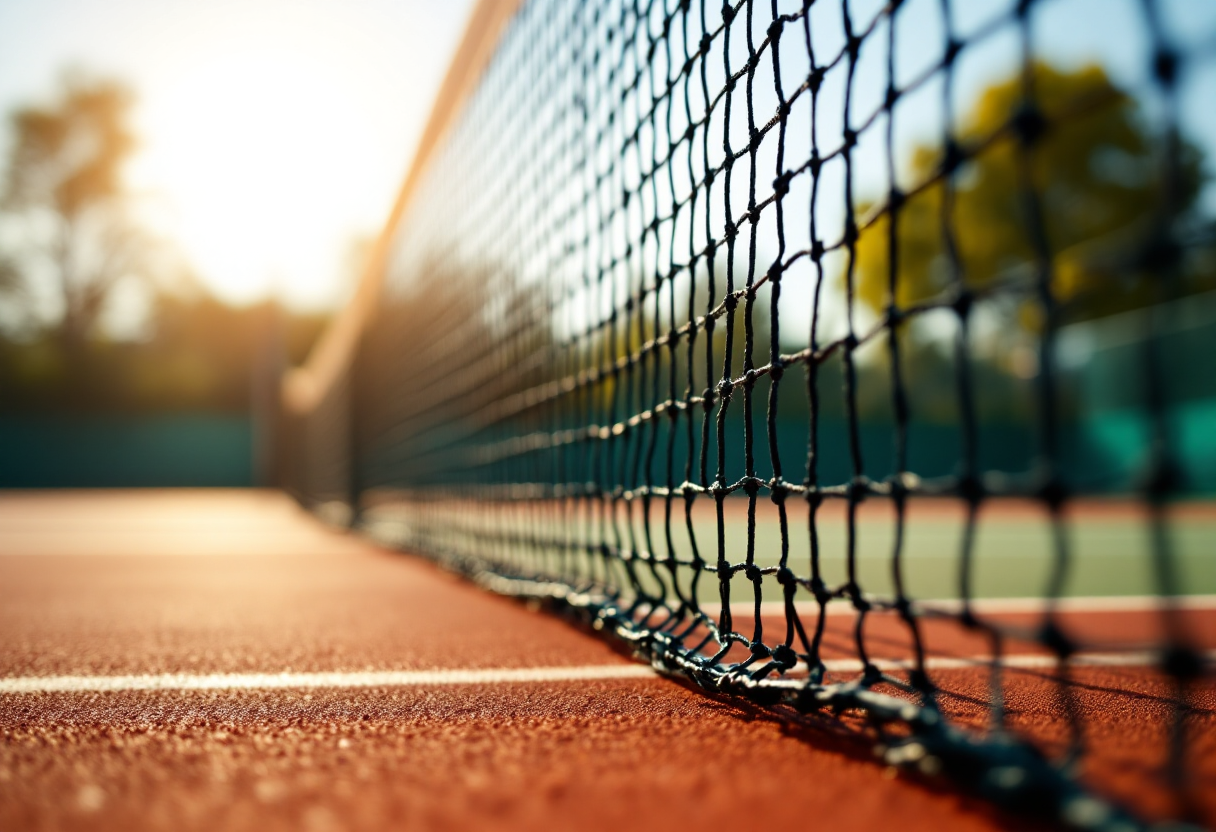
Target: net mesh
{"points": [[695, 307]]}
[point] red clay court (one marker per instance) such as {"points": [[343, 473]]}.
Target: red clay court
{"points": [[164, 661]]}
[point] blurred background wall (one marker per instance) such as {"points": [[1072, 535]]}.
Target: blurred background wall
{"points": [[117, 366]]}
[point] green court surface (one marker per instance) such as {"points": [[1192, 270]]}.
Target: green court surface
{"points": [[1012, 558], [1108, 551]]}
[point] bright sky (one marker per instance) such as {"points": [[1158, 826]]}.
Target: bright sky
{"points": [[273, 132]]}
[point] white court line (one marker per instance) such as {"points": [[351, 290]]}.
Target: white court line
{"points": [[1017, 662], [365, 679], [406, 678]]}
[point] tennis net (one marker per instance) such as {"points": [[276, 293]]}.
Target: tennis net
{"points": [[677, 296]]}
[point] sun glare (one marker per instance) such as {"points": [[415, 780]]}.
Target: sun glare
{"points": [[258, 157]]}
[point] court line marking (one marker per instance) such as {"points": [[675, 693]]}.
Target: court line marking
{"points": [[1029, 661], [253, 681], [357, 679], [409, 678]]}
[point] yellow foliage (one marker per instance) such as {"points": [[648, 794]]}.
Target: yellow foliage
{"points": [[1087, 182]]}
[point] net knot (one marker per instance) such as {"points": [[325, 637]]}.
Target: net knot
{"points": [[1052, 491], [897, 487], [784, 656], [781, 185], [971, 489], [1161, 254], [966, 615], [853, 47], [1056, 640], [753, 573], [777, 369], [953, 156], [1029, 124], [1160, 478], [774, 29], [777, 490], [920, 680], [849, 238], [786, 577], [953, 49], [1182, 662], [963, 301], [728, 13], [857, 489], [760, 650], [1165, 67]]}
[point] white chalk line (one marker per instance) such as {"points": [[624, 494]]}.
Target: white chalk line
{"points": [[356, 679], [412, 678], [1031, 661]]}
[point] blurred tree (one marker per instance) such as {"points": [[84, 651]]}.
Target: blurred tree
{"points": [[1096, 170], [64, 190], [198, 356]]}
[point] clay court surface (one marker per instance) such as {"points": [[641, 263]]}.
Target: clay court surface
{"points": [[219, 660]]}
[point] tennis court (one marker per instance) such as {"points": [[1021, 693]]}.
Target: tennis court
{"points": [[753, 415], [215, 659]]}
